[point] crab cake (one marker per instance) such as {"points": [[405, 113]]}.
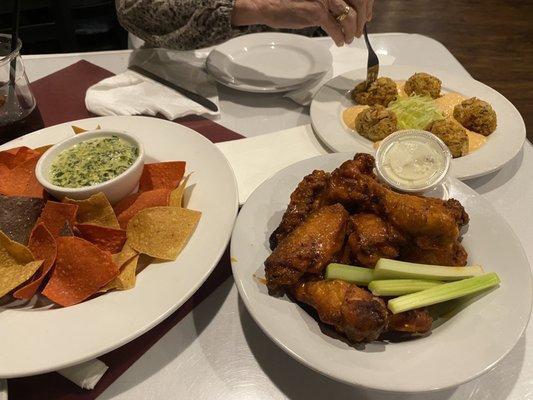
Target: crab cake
{"points": [[376, 123], [476, 115], [452, 134], [423, 84], [382, 91]]}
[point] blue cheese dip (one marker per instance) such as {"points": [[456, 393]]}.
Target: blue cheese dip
{"points": [[412, 160]]}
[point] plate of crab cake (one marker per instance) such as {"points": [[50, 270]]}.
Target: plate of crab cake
{"points": [[482, 129], [377, 288]]}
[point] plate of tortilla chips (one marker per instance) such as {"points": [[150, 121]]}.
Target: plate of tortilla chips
{"points": [[79, 278]]}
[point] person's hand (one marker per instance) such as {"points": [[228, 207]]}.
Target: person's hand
{"points": [[342, 20]]}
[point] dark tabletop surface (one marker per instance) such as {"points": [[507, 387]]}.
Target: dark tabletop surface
{"points": [[493, 39]]}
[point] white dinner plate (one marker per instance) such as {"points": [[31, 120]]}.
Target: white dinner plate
{"points": [[501, 146], [268, 62], [459, 349], [36, 340]]}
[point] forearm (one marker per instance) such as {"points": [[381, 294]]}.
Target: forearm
{"points": [[178, 24]]}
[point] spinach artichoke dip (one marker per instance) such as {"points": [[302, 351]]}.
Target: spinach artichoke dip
{"points": [[92, 162]]}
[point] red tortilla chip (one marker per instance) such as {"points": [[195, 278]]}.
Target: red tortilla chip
{"points": [[55, 215], [4, 173], [163, 175], [24, 154], [108, 239], [21, 180], [7, 157], [43, 247], [81, 269], [131, 205], [16, 156]]}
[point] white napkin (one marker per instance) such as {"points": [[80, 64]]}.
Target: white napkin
{"points": [[86, 375], [257, 158], [345, 59], [129, 93]]}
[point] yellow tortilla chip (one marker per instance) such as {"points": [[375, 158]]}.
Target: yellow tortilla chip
{"points": [[126, 278], [176, 196], [42, 149], [95, 210], [16, 264], [126, 254], [162, 232], [77, 129]]}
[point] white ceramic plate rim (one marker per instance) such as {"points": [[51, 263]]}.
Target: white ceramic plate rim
{"points": [[317, 51], [55, 347], [501, 147], [316, 358]]}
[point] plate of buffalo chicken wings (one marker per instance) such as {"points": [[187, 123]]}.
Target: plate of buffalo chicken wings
{"points": [[372, 287]]}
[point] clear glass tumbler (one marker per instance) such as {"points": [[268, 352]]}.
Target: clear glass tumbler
{"points": [[16, 99]]}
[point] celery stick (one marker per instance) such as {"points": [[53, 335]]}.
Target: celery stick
{"points": [[349, 273], [444, 292], [397, 287], [393, 269]]}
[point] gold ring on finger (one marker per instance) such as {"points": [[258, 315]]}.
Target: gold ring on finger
{"points": [[345, 13]]}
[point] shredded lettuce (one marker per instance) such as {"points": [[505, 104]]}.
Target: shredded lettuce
{"points": [[415, 112]]}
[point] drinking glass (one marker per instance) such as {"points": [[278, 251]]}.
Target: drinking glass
{"points": [[16, 99]]}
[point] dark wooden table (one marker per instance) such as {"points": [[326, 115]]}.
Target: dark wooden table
{"points": [[493, 39]]}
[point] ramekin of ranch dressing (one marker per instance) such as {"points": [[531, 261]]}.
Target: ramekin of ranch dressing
{"points": [[412, 160]]}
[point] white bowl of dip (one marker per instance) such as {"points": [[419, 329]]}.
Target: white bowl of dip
{"points": [[115, 188], [413, 160]]}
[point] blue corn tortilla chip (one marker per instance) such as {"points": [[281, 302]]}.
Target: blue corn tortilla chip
{"points": [[18, 216]]}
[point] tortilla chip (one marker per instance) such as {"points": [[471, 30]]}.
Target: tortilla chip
{"points": [[16, 156], [16, 264], [77, 129], [21, 180], [176, 196], [95, 210], [108, 239], [66, 230], [18, 216], [162, 232], [80, 270], [127, 208], [24, 154], [4, 172], [7, 157], [126, 278], [43, 247], [55, 215], [41, 150], [163, 175], [126, 254]]}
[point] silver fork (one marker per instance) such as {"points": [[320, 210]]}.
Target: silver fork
{"points": [[372, 66]]}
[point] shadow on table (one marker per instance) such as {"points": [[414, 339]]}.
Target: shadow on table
{"points": [[494, 180], [299, 382], [173, 343]]}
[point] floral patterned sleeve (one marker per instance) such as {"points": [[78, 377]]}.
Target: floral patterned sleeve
{"points": [[182, 24]]}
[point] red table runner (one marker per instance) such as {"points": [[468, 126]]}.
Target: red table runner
{"points": [[61, 98]]}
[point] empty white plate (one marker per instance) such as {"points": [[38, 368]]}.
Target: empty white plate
{"points": [[268, 62]]}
